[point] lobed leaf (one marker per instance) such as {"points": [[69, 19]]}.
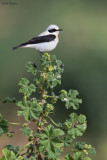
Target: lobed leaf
{"points": [[9, 100], [31, 68], [8, 155], [67, 140], [3, 126], [14, 149], [29, 109], [25, 88], [50, 141], [68, 157], [85, 148], [92, 152], [70, 99], [75, 125], [79, 145], [77, 156], [26, 131]]}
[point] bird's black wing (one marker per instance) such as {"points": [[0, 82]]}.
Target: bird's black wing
{"points": [[38, 39], [41, 39]]}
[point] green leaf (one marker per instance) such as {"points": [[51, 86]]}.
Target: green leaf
{"points": [[15, 149], [70, 99], [52, 69], [31, 68], [9, 100], [26, 131], [0, 116], [68, 157], [53, 79], [75, 125], [79, 145], [3, 126], [33, 158], [50, 141], [77, 156], [29, 109], [25, 88], [8, 155], [86, 158], [87, 149], [60, 66], [67, 140], [21, 158], [45, 59], [23, 82], [92, 152]]}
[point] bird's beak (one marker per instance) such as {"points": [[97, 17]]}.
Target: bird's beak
{"points": [[60, 29]]}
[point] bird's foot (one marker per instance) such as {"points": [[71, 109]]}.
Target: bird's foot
{"points": [[41, 54]]}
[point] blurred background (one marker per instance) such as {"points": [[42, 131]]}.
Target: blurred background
{"points": [[82, 48]]}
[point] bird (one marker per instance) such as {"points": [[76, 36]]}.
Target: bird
{"points": [[44, 42]]}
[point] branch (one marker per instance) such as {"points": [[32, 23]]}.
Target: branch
{"points": [[17, 130]]}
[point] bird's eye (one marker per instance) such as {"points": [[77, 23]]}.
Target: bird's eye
{"points": [[52, 30]]}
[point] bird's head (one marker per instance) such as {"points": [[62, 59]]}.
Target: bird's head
{"points": [[53, 29]]}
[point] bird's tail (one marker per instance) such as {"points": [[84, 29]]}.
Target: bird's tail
{"points": [[16, 47]]}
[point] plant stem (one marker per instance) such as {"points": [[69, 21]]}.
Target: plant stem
{"points": [[31, 142], [22, 126], [52, 121], [52, 96], [13, 123], [34, 142]]}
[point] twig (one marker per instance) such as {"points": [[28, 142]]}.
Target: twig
{"points": [[34, 142], [21, 126], [52, 121], [14, 123]]}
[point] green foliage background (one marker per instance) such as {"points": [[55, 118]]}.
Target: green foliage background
{"points": [[82, 48]]}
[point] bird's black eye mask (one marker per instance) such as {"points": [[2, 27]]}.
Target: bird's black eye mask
{"points": [[52, 30]]}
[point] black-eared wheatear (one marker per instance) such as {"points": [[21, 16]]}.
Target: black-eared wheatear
{"points": [[45, 41]]}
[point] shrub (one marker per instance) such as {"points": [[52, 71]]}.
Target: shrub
{"points": [[37, 105]]}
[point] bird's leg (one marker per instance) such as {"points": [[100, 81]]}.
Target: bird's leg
{"points": [[41, 53]]}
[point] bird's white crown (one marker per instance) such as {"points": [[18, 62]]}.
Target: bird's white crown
{"points": [[52, 26]]}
